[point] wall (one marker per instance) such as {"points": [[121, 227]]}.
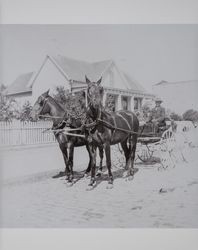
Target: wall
{"points": [[48, 78], [113, 79], [178, 96]]}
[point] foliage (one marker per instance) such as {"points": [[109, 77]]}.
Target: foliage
{"points": [[61, 95], [74, 104], [110, 103], [24, 114], [7, 106], [146, 110], [176, 117], [191, 115]]}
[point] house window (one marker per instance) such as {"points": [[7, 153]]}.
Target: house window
{"points": [[125, 102], [137, 103]]}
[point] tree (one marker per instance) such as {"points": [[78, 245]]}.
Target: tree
{"points": [[191, 115]]}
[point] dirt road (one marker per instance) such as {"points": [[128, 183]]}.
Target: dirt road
{"points": [[154, 198]]}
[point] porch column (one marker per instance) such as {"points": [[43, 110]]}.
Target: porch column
{"points": [[132, 103], [104, 99], [119, 102], [143, 101]]}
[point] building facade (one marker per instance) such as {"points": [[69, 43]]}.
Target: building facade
{"points": [[62, 71], [178, 96]]}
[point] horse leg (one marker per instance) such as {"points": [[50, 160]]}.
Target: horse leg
{"points": [[101, 154], [63, 149], [89, 165], [132, 170], [126, 153], [92, 150], [70, 161], [108, 162]]}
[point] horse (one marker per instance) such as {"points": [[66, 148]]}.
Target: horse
{"points": [[110, 129], [46, 104]]}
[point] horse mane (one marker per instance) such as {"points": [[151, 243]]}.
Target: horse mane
{"points": [[74, 105], [57, 103]]}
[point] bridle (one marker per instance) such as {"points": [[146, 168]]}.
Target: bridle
{"points": [[44, 99]]}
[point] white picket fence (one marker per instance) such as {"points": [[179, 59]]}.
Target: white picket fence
{"points": [[19, 133]]}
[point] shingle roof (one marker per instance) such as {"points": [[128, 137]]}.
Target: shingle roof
{"points": [[73, 70], [76, 70], [134, 85], [20, 85], [178, 82]]}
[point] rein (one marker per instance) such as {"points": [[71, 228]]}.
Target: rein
{"points": [[49, 116], [66, 131], [116, 128]]}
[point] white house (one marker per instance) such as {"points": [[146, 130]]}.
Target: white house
{"points": [[178, 96], [63, 71], [19, 89]]}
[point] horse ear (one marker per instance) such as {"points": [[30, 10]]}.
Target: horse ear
{"points": [[99, 81], [45, 94], [87, 80]]}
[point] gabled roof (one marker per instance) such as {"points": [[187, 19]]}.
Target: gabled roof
{"points": [[161, 82], [76, 70], [178, 82], [73, 70], [20, 85], [134, 85]]}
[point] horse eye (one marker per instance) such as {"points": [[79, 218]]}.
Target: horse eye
{"points": [[40, 101]]}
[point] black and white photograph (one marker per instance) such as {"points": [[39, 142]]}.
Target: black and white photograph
{"points": [[98, 126]]}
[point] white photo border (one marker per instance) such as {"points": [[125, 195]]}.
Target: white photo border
{"points": [[98, 12]]}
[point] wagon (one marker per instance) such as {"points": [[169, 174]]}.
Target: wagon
{"points": [[150, 140]]}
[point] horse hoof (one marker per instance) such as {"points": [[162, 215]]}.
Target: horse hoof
{"points": [[109, 186], [89, 188], [86, 175], [125, 174], [69, 183], [91, 185], [130, 178], [99, 174]]}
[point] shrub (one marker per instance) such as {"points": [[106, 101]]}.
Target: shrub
{"points": [[174, 116], [61, 95], [24, 113], [7, 106], [110, 102], [191, 115]]}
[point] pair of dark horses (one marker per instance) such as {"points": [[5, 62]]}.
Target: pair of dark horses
{"points": [[100, 128]]}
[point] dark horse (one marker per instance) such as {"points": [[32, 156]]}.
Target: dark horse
{"points": [[109, 129], [45, 104]]}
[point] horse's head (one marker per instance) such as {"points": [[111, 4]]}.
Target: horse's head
{"points": [[94, 93], [40, 107]]}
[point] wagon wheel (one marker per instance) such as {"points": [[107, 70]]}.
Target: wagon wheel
{"points": [[167, 146], [146, 153]]}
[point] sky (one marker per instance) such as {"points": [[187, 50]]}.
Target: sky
{"points": [[148, 53]]}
